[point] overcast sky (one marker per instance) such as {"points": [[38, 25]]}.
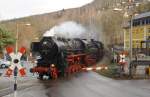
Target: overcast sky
{"points": [[10, 9]]}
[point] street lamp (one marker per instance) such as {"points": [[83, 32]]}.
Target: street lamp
{"points": [[130, 32], [129, 13], [17, 33], [132, 15]]}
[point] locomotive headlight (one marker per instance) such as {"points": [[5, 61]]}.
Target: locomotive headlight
{"points": [[45, 42], [52, 65]]}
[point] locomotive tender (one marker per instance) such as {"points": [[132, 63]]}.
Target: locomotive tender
{"points": [[60, 56]]}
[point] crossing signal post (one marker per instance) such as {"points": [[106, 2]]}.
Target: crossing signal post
{"points": [[15, 83], [122, 61], [15, 62], [15, 65]]}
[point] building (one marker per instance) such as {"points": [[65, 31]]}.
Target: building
{"points": [[140, 31]]}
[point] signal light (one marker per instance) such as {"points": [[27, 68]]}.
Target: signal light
{"points": [[22, 50], [9, 50]]}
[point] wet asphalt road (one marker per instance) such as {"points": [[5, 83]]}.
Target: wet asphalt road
{"points": [[88, 84]]}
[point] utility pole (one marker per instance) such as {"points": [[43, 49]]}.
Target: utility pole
{"points": [[130, 58], [132, 14], [17, 36]]}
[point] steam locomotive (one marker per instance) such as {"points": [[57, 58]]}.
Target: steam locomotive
{"points": [[61, 56]]}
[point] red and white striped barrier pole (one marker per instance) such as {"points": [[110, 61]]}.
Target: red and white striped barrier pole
{"points": [[95, 68]]}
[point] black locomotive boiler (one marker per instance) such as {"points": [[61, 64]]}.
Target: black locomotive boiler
{"points": [[60, 56]]}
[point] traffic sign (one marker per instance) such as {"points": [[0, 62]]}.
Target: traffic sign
{"points": [[15, 61], [122, 58]]}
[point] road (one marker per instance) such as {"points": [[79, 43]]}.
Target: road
{"points": [[87, 84]]}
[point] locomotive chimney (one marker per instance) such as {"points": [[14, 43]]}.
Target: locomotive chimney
{"points": [[84, 39], [92, 39]]}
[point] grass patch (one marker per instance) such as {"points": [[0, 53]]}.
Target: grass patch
{"points": [[111, 72]]}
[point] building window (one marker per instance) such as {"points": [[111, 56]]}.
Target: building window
{"points": [[147, 21], [139, 22], [136, 22], [133, 23], [143, 21]]}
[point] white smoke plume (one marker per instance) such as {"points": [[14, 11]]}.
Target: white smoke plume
{"points": [[70, 29]]}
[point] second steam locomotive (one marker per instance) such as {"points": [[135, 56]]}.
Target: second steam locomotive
{"points": [[60, 56]]}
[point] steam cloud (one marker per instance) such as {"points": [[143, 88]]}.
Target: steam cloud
{"points": [[70, 29]]}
